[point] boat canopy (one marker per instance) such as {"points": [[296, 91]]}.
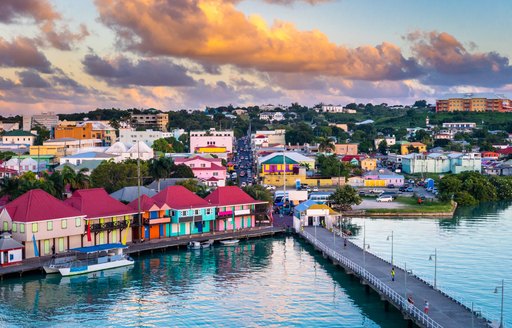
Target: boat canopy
{"points": [[98, 248]]}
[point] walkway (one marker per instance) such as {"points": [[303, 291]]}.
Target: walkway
{"points": [[375, 272]]}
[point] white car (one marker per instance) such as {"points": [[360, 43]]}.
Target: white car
{"points": [[385, 198], [315, 189]]}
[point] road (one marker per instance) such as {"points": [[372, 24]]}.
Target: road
{"points": [[244, 161]]}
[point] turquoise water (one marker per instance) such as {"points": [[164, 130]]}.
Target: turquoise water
{"points": [[278, 282], [473, 250]]}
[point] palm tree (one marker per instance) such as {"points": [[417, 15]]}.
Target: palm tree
{"points": [[82, 180], [9, 186], [161, 168], [325, 145]]}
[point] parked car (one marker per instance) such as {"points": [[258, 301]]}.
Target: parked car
{"points": [[391, 186], [315, 188], [409, 189], [385, 198], [362, 193]]}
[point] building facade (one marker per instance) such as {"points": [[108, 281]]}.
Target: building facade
{"points": [[418, 146], [441, 163], [18, 137], [205, 169], [212, 137], [346, 149], [131, 136], [474, 102], [151, 121], [87, 130]]}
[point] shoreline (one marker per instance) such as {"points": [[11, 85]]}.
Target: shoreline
{"points": [[401, 212]]}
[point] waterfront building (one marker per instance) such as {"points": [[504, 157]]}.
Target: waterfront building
{"points": [[107, 218], [11, 251], [441, 163], [155, 218], [87, 130], [474, 102], [418, 146], [209, 170], [310, 213], [157, 121], [18, 137], [40, 217], [131, 136], [346, 149], [189, 213], [235, 209], [212, 137]]}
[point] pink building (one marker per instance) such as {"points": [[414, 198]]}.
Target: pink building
{"points": [[212, 137], [209, 170]]}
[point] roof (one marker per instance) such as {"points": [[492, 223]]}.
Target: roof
{"points": [[279, 159], [128, 194], [323, 207], [164, 183], [92, 154], [230, 195], [179, 197], [305, 205], [289, 154], [97, 203], [6, 242], [98, 248], [140, 147], [488, 95], [18, 133], [28, 207], [146, 204]]}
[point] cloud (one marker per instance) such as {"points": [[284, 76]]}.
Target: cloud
{"points": [[22, 52], [289, 2], [145, 72], [203, 30], [42, 13], [31, 79], [445, 61]]}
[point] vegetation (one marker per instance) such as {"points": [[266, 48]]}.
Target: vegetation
{"points": [[411, 206], [114, 176], [193, 185], [162, 145], [259, 192], [344, 197], [330, 166]]}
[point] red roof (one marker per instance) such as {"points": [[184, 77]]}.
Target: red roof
{"points": [[38, 205], [179, 197], [97, 203], [7, 170], [506, 151], [146, 204], [230, 195], [348, 158]]}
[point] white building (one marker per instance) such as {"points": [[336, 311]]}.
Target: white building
{"points": [[49, 120], [390, 141], [130, 136], [441, 163], [138, 150], [24, 165], [18, 137], [272, 116], [72, 146], [80, 158], [4, 126], [459, 126]]}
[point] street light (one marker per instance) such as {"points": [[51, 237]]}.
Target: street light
{"points": [[435, 266], [502, 287], [392, 242]]}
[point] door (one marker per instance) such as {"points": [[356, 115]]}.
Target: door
{"points": [[154, 231], [102, 238], [47, 246], [61, 244], [310, 221]]}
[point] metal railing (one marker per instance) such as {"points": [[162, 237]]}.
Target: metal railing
{"points": [[415, 313]]}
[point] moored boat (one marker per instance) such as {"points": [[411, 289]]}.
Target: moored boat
{"points": [[194, 245], [56, 263], [229, 242], [208, 243], [96, 258]]}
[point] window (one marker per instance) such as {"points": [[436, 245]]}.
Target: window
{"points": [[64, 224], [215, 174], [208, 211], [6, 226], [183, 213], [203, 165], [49, 225], [22, 227], [35, 227], [14, 227], [78, 222], [196, 212]]}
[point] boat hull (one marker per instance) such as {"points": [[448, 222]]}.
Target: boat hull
{"points": [[73, 271], [229, 242]]}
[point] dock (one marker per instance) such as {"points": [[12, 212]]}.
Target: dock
{"points": [[35, 265], [375, 273]]}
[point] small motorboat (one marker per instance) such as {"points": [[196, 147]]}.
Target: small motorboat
{"points": [[58, 262], [194, 245], [229, 242], [208, 243]]}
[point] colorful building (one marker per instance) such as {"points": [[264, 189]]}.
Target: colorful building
{"points": [[474, 102], [369, 164], [87, 130], [418, 146], [311, 213], [11, 251], [189, 213], [382, 178], [205, 169], [156, 222], [212, 137], [40, 217], [235, 209], [346, 149], [107, 218], [279, 164]]}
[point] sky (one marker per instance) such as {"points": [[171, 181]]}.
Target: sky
{"points": [[75, 56]]}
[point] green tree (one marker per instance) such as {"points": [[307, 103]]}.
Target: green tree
{"points": [[177, 146], [114, 176], [161, 168], [193, 185], [6, 155], [383, 147], [325, 145], [259, 192], [344, 197], [162, 145], [330, 166], [182, 171], [42, 135]]}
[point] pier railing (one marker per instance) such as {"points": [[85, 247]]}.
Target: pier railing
{"points": [[399, 300]]}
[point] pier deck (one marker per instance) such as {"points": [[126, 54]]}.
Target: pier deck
{"points": [[36, 264], [375, 272]]}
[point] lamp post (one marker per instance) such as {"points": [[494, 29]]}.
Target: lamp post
{"points": [[502, 288], [435, 266], [392, 242]]}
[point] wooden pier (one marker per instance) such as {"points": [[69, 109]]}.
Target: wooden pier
{"points": [[374, 272], [34, 265]]}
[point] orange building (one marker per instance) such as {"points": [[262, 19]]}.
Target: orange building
{"points": [[474, 102], [87, 130]]}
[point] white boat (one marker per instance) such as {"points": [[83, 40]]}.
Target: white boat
{"points": [[208, 243], [58, 262], [229, 242], [194, 245], [96, 258]]}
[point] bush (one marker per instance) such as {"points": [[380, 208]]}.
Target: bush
{"points": [[465, 198]]}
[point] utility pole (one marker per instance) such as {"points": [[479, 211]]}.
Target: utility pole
{"points": [[138, 194]]}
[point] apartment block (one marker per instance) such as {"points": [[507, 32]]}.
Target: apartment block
{"points": [[474, 102], [150, 121]]}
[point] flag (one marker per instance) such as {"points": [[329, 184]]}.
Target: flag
{"points": [[36, 250], [126, 234], [89, 230]]}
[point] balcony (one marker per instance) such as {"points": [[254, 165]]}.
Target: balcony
{"points": [[193, 218], [109, 226]]}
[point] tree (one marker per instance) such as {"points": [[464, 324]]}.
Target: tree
{"points": [[383, 147], [344, 197], [259, 192], [161, 168], [420, 103], [194, 186], [161, 145], [42, 135], [330, 166], [6, 155], [182, 171], [177, 146], [325, 145], [75, 180], [114, 176]]}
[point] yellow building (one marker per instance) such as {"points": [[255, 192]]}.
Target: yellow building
{"points": [[87, 130], [210, 150], [420, 147], [374, 183], [57, 151], [369, 164], [474, 102]]}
